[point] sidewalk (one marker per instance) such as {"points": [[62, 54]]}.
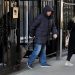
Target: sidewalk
{"points": [[57, 68]]}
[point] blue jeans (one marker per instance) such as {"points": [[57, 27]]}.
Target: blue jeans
{"points": [[39, 48]]}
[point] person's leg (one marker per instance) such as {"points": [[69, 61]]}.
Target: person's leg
{"points": [[69, 56], [43, 55], [68, 59], [43, 60], [34, 54]]}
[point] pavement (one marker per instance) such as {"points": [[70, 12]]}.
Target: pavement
{"points": [[57, 68]]}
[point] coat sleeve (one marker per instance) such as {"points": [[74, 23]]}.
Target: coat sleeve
{"points": [[34, 25], [70, 23], [54, 28]]}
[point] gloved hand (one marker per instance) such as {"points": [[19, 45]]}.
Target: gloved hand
{"points": [[55, 36]]}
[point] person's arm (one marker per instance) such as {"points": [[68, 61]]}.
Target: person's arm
{"points": [[54, 29], [34, 26], [69, 26]]}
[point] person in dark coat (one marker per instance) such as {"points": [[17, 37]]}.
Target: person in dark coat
{"points": [[71, 45], [40, 30]]}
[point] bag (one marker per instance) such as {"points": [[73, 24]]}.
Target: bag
{"points": [[67, 40]]}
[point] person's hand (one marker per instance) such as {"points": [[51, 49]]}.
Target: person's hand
{"points": [[55, 36], [31, 37]]}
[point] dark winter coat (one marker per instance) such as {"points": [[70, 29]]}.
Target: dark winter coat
{"points": [[71, 28], [42, 26]]}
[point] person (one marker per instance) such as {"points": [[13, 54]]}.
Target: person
{"points": [[41, 30], [71, 44]]}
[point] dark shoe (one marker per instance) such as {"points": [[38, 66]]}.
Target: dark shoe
{"points": [[29, 66], [45, 65]]}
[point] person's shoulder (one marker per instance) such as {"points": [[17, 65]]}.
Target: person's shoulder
{"points": [[52, 19], [73, 19], [39, 17]]}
